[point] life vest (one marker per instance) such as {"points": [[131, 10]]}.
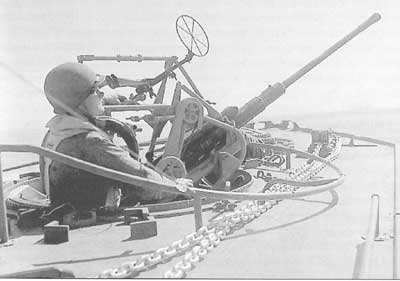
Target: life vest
{"points": [[51, 142], [105, 123]]}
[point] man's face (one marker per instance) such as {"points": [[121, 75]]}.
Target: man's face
{"points": [[93, 104]]}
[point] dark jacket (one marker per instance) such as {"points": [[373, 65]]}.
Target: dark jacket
{"points": [[76, 138]]}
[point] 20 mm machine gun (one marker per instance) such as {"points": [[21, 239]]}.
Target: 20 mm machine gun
{"points": [[209, 147]]}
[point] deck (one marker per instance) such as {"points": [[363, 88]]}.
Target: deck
{"points": [[315, 237]]}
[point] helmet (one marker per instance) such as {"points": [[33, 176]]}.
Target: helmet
{"points": [[66, 86]]}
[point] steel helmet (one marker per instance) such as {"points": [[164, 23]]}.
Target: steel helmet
{"points": [[67, 85]]}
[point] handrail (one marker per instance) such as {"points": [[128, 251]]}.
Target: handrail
{"points": [[396, 196], [363, 261], [3, 211], [396, 191], [396, 214]]}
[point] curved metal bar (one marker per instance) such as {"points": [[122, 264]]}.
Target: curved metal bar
{"points": [[367, 139], [89, 167], [223, 195], [182, 204], [301, 153], [281, 195], [131, 179], [301, 183]]}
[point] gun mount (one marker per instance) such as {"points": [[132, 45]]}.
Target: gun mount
{"points": [[209, 147]]}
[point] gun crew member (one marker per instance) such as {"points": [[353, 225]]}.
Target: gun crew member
{"points": [[72, 90]]}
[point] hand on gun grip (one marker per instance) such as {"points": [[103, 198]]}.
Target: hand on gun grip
{"points": [[183, 184], [137, 97], [113, 99], [144, 89], [112, 81], [134, 99]]}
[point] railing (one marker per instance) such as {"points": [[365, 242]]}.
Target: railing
{"points": [[396, 203], [396, 214], [396, 194], [363, 261], [3, 211]]}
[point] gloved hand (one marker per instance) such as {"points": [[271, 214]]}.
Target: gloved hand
{"points": [[113, 99], [183, 184], [134, 99]]}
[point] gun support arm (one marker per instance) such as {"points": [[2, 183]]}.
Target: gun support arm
{"points": [[258, 104], [165, 74]]}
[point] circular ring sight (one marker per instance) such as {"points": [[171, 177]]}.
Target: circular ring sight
{"points": [[192, 35]]}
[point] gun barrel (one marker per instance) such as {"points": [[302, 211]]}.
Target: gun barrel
{"points": [[301, 72], [258, 104]]}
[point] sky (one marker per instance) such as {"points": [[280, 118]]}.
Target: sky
{"points": [[252, 44]]}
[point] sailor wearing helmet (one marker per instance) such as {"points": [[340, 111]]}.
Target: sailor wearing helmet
{"points": [[72, 90]]}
